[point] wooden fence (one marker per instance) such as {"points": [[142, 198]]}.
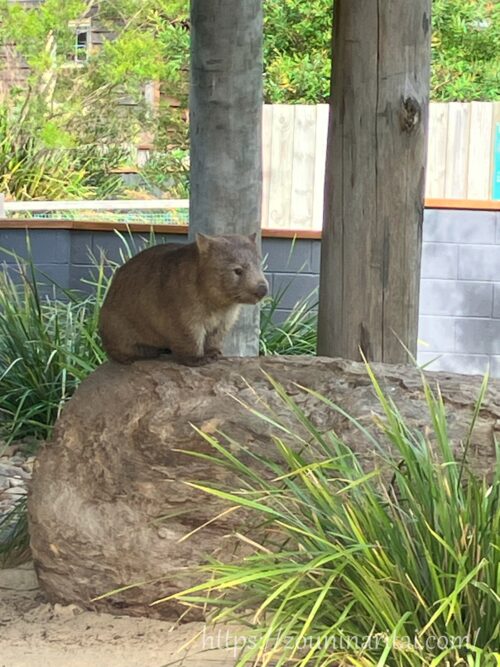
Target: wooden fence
{"points": [[460, 159], [461, 166]]}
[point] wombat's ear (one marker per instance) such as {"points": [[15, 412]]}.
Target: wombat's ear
{"points": [[253, 237], [202, 242]]}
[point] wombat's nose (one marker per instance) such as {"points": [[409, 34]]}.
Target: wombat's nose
{"points": [[261, 290]]}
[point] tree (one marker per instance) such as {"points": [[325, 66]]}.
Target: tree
{"points": [[374, 188], [465, 50], [226, 127], [297, 38], [64, 108]]}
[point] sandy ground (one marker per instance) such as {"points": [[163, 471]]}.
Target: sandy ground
{"points": [[34, 633]]}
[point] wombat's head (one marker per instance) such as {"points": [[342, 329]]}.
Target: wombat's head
{"points": [[230, 268]]}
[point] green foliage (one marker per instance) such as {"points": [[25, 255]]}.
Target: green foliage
{"points": [[42, 36], [297, 46], [31, 170], [66, 104], [43, 162], [361, 568], [296, 333], [465, 50], [47, 346], [168, 173], [14, 536]]}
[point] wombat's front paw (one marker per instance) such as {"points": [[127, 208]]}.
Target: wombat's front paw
{"points": [[213, 353]]}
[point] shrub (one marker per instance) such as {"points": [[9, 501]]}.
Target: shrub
{"points": [[357, 570], [296, 333], [30, 170], [48, 344]]}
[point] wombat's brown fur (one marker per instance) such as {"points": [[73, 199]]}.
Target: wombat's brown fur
{"points": [[181, 298]]}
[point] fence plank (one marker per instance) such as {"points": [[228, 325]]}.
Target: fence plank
{"points": [[267, 127], [304, 151], [481, 122], [322, 114], [493, 171], [280, 187], [436, 154], [457, 150]]}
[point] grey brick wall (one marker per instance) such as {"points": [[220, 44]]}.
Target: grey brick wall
{"points": [[460, 291], [459, 326]]}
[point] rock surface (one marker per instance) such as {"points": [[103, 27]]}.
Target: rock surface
{"points": [[15, 473], [109, 503]]}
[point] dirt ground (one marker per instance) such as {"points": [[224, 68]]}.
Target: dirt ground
{"points": [[34, 633]]}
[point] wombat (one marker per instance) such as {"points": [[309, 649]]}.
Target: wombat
{"points": [[181, 298]]}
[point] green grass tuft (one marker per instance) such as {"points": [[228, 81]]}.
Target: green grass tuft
{"points": [[296, 334], [358, 570], [14, 536], [48, 344]]}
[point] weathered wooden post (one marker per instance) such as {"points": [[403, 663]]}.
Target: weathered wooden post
{"points": [[225, 124], [374, 188]]}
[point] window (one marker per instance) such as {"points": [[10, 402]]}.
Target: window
{"points": [[81, 46], [82, 42]]}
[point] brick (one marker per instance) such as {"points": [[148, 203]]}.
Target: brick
{"points": [[496, 301], [279, 316], [315, 256], [477, 336], [81, 275], [270, 279], [454, 226], [495, 366], [297, 287], [286, 256], [46, 275], [50, 277], [456, 297], [171, 238], [115, 248], [81, 247], [468, 364], [47, 246], [439, 260], [436, 334], [479, 262]]}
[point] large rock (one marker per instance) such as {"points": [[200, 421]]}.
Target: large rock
{"points": [[109, 502]]}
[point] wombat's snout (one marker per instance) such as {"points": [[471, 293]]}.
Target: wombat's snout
{"points": [[261, 290]]}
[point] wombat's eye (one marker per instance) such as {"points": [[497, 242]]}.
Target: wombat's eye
{"points": [[238, 270]]}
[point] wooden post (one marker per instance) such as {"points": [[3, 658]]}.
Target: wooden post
{"points": [[374, 188], [225, 127]]}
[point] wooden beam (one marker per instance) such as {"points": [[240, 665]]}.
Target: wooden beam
{"points": [[374, 190], [226, 132]]}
